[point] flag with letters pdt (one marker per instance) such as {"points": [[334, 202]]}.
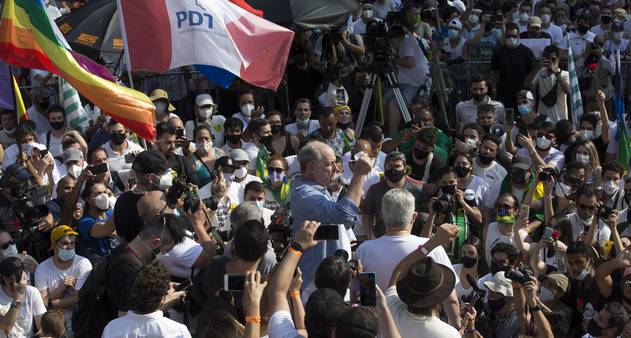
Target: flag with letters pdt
{"points": [[164, 34]]}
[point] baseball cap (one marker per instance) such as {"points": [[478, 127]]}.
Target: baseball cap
{"points": [[239, 155], [10, 266], [521, 162], [534, 21], [525, 94], [500, 284], [18, 171], [357, 322], [559, 280], [61, 231], [158, 94], [72, 154], [458, 5], [150, 162], [204, 100], [323, 309], [455, 23]]}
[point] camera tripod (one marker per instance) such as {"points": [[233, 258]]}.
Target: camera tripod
{"points": [[388, 74]]}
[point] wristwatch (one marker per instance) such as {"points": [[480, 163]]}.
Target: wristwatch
{"points": [[16, 303], [296, 246], [535, 309]]}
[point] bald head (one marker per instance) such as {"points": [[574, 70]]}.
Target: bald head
{"points": [[150, 205]]}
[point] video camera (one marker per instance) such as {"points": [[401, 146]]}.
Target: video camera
{"points": [[378, 46], [445, 204], [546, 174], [178, 190], [280, 230]]}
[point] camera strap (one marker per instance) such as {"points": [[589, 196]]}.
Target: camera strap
{"points": [[428, 165]]}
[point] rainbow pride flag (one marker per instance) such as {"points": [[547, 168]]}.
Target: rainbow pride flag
{"points": [[28, 39]]}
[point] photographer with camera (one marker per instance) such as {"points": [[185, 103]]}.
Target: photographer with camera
{"points": [[501, 303], [166, 141], [588, 222], [529, 309]]}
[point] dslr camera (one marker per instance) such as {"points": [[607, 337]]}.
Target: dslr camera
{"points": [[445, 204], [519, 275], [181, 189], [604, 211], [546, 174]]}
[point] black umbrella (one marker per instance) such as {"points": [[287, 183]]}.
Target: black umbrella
{"points": [[306, 13], [94, 30]]}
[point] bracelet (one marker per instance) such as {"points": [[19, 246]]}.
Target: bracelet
{"points": [[253, 319], [295, 293], [294, 251], [422, 249], [535, 309]]}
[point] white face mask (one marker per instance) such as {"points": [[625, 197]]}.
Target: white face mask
{"points": [[582, 159], [160, 106], [618, 36], [75, 170], [240, 172], [247, 109], [585, 135], [260, 204], [610, 187], [583, 275], [523, 17], [474, 19], [368, 14], [102, 201], [545, 295], [472, 143], [512, 42], [205, 113], [585, 222], [166, 181], [204, 147], [453, 33], [543, 143], [11, 251], [545, 19]]}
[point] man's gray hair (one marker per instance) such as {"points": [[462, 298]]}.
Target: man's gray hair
{"points": [[246, 211], [311, 152], [397, 208]]}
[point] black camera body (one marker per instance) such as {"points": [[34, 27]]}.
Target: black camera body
{"points": [[378, 44], [181, 189], [445, 204], [546, 174], [604, 211], [519, 275]]}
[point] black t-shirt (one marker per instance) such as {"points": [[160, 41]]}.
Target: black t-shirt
{"points": [[418, 170], [372, 203], [542, 35], [122, 269], [126, 219], [513, 66], [184, 166], [577, 298]]}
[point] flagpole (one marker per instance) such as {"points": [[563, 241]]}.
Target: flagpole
{"points": [[18, 136]]}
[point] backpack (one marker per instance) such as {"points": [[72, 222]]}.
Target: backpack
{"points": [[94, 309]]}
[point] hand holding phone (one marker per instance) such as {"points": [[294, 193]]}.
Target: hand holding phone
{"points": [[98, 168], [185, 285], [367, 289], [327, 232], [234, 282], [547, 234]]}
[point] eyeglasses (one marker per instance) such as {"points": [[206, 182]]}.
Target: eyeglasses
{"points": [[7, 245], [505, 206], [275, 170]]}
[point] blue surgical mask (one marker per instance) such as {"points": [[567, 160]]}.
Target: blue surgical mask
{"points": [[66, 254], [583, 275], [524, 109]]}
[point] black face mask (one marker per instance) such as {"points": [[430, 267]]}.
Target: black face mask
{"points": [[448, 189], [469, 262], [117, 138], [478, 97], [394, 175], [420, 154], [594, 329], [233, 138], [43, 105], [496, 267], [57, 125], [518, 176], [266, 140], [606, 19], [276, 129], [486, 160], [461, 171], [496, 304], [582, 28]]}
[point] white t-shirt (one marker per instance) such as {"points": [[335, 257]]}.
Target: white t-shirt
{"points": [[48, 277], [554, 156], [152, 324], [334, 96], [467, 111], [32, 306], [579, 43], [55, 144], [372, 177], [413, 326], [215, 125], [282, 326], [494, 236], [116, 161], [598, 30], [41, 122], [382, 255], [461, 291], [556, 33], [545, 82], [416, 76], [181, 258], [312, 125], [479, 187], [235, 190], [493, 175]]}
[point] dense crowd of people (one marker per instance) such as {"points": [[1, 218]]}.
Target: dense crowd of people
{"points": [[497, 216]]}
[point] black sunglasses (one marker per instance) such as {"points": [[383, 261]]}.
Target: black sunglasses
{"points": [[275, 170], [6, 245]]}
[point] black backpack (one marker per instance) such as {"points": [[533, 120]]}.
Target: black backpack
{"points": [[94, 309]]}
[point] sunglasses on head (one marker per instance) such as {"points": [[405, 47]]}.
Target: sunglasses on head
{"points": [[6, 245]]}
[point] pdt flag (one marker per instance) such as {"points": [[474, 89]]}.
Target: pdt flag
{"points": [[164, 34]]}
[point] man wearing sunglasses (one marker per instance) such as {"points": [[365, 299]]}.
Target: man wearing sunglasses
{"points": [[585, 216]]}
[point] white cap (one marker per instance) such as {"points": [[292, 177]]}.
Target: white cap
{"points": [[455, 23], [204, 100], [458, 5]]}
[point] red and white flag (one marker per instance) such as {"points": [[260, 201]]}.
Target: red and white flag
{"points": [[164, 34]]}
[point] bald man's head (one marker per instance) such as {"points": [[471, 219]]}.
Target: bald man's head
{"points": [[151, 204]]}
